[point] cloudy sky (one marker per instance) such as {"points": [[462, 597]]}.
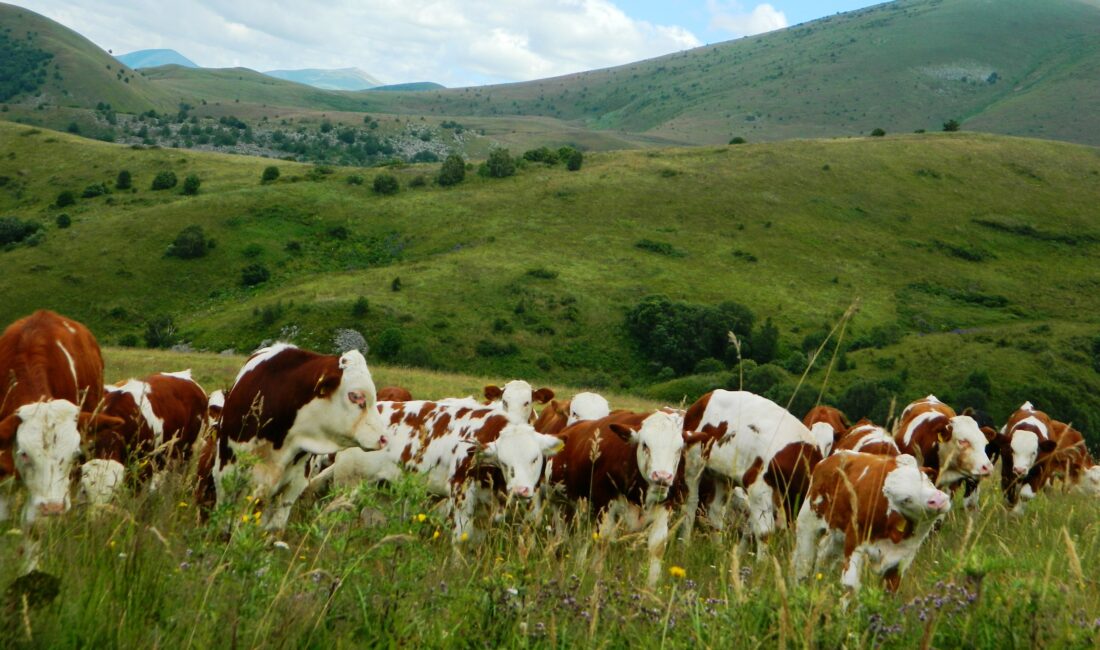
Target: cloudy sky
{"points": [[453, 42]]}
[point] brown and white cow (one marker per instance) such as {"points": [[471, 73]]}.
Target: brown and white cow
{"points": [[827, 424], [1025, 444], [1071, 462], [952, 446], [52, 380], [754, 444], [286, 404], [394, 394], [628, 466], [869, 438], [559, 415], [517, 399], [867, 508]]}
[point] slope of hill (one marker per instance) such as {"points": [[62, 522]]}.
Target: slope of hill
{"points": [[244, 86], [412, 86], [968, 253], [337, 79], [153, 58]]}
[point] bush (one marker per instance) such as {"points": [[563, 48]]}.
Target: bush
{"points": [[453, 171], [737, 140], [64, 220], [878, 133], [708, 365], [165, 180], [191, 185], [253, 250], [574, 161], [500, 164], [65, 198], [542, 155], [951, 126], [765, 342], [94, 190], [491, 348], [160, 332], [866, 398], [124, 180], [190, 243], [388, 344], [418, 181], [339, 232], [659, 247], [361, 307], [386, 184], [542, 273], [424, 156], [270, 175], [293, 246], [14, 230], [254, 274], [679, 335], [354, 179]]}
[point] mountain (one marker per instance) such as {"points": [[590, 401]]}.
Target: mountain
{"points": [[338, 79], [153, 58], [412, 86]]}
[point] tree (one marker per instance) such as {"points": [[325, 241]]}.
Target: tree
{"points": [[388, 344], [679, 334], [65, 198], [453, 170], [254, 274], [951, 126], [165, 180], [270, 175], [500, 164], [737, 140], [191, 185], [124, 180], [574, 161], [765, 342], [386, 184], [190, 243], [14, 230], [64, 220], [878, 133], [160, 332]]}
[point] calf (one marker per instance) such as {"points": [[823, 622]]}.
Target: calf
{"points": [[827, 424], [873, 508], [868, 438], [1025, 443], [752, 443], [516, 398], [628, 467], [394, 394], [1070, 461], [559, 415], [952, 446], [285, 404], [52, 374]]}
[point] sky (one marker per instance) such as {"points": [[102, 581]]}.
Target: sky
{"points": [[452, 42]]}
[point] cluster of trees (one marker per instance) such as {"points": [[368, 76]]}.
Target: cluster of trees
{"points": [[24, 65]]}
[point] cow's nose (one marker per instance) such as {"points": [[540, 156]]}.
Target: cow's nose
{"points": [[51, 508], [521, 491], [664, 478], [1019, 471], [985, 470], [938, 501], [382, 441]]}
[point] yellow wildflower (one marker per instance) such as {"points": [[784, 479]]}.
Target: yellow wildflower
{"points": [[256, 515], [421, 517], [464, 536], [435, 535], [183, 504], [244, 518], [820, 576], [595, 536], [301, 557], [677, 571], [249, 498], [111, 543]]}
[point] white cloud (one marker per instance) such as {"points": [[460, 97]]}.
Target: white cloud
{"points": [[454, 42], [732, 17]]}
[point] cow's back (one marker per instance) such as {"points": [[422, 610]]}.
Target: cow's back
{"points": [[597, 464]]}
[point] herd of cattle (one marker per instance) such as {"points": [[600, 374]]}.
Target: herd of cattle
{"points": [[295, 420]]}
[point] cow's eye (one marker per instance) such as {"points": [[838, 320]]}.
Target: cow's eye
{"points": [[907, 500], [964, 444], [645, 447]]}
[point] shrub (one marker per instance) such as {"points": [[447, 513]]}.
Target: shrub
{"points": [[191, 185], [339, 232], [418, 181], [94, 190], [878, 133], [64, 220], [951, 126], [293, 246], [361, 307], [388, 344], [190, 243], [659, 247], [453, 171], [354, 179], [679, 335], [73, 128], [574, 161], [425, 156], [165, 180], [254, 274], [386, 184], [542, 273], [65, 198], [253, 250], [796, 362], [160, 332], [542, 155], [128, 340], [866, 398], [270, 175], [708, 365], [737, 140], [14, 230], [500, 164], [765, 342], [395, 284], [491, 348], [124, 180]]}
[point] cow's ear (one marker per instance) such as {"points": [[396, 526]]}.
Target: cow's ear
{"points": [[98, 422], [1047, 445], [623, 431], [493, 393], [550, 445], [561, 408], [328, 383], [8, 427], [945, 433], [542, 395], [990, 434]]}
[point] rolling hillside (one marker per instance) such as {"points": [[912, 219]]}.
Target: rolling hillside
{"points": [[154, 58], [338, 79], [968, 253]]}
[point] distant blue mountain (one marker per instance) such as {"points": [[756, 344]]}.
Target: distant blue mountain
{"points": [[154, 58], [412, 86], [336, 79]]}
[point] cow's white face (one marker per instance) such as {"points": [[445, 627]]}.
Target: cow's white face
{"points": [[99, 480], [357, 391], [965, 449], [909, 491], [517, 399], [519, 452], [824, 436], [587, 406], [1025, 446], [346, 418], [660, 442], [46, 445]]}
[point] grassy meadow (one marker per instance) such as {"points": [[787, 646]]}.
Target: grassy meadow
{"points": [[375, 566]]}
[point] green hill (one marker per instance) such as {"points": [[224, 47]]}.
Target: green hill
{"points": [[968, 253]]}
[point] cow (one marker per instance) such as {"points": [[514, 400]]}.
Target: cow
{"points": [[559, 415], [100, 479], [214, 405], [471, 456], [751, 443], [394, 394], [285, 404], [872, 508], [952, 446], [1070, 461], [869, 438], [628, 466], [1025, 443], [516, 399], [51, 381], [827, 424]]}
